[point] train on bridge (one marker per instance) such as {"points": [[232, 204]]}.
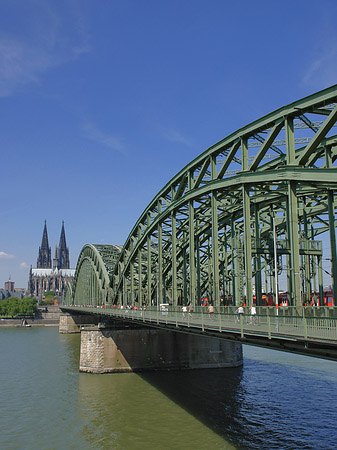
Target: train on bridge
{"points": [[283, 300]]}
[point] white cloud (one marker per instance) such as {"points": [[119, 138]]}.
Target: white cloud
{"points": [[108, 140], [23, 265], [51, 36], [321, 73], [19, 64], [4, 255], [174, 135]]}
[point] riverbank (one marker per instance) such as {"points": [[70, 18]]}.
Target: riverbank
{"points": [[45, 316]]}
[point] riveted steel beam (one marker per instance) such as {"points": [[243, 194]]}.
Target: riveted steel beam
{"points": [[317, 139]]}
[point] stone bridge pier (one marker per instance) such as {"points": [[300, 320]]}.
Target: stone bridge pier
{"points": [[71, 323], [124, 347]]}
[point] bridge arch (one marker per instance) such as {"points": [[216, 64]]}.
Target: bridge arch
{"points": [[210, 231], [256, 203], [91, 285]]}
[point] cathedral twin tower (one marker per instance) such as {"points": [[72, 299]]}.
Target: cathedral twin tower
{"points": [[61, 260], [51, 275]]}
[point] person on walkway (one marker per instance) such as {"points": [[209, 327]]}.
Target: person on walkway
{"points": [[252, 310], [210, 310], [184, 309], [190, 309], [240, 311]]}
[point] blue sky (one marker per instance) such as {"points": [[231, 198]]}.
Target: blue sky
{"points": [[102, 102]]}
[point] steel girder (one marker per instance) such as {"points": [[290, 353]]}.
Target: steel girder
{"points": [[209, 223], [91, 285], [208, 232]]}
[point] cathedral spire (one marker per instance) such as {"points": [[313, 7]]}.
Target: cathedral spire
{"points": [[63, 243], [62, 251], [44, 258]]}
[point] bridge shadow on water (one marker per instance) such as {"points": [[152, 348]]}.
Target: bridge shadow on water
{"points": [[265, 404], [213, 396]]}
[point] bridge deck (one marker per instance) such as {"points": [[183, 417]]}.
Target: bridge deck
{"points": [[315, 336]]}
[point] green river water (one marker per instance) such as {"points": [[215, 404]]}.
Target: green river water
{"points": [[275, 400]]}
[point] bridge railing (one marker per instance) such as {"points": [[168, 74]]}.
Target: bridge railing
{"points": [[269, 325]]}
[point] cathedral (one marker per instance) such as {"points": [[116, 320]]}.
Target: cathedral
{"points": [[51, 275]]}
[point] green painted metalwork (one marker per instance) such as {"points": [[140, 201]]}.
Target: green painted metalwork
{"points": [[209, 231], [94, 270]]}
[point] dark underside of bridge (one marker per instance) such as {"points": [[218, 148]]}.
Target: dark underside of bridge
{"points": [[319, 349]]}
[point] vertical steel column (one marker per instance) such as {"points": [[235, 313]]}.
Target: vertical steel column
{"points": [[97, 291], [160, 258], [313, 261], [185, 290], [225, 268], [332, 230], [306, 255], [320, 280], [244, 154], [332, 235], [247, 238], [149, 265], [140, 277], [272, 269], [174, 259], [91, 288], [247, 245], [215, 239], [198, 268], [234, 262], [215, 249], [275, 262], [132, 285], [290, 140], [292, 218], [294, 244], [191, 236], [139, 257], [124, 291], [88, 293], [288, 266], [92, 281], [209, 273], [266, 289], [257, 259]]}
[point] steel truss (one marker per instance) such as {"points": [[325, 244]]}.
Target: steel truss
{"points": [[211, 231], [92, 276]]}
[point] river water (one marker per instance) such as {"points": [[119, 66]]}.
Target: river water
{"points": [[275, 401]]}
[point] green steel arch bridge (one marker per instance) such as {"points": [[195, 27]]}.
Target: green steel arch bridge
{"points": [[247, 215]]}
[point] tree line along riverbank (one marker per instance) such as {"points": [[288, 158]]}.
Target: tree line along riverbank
{"points": [[13, 307], [18, 312]]}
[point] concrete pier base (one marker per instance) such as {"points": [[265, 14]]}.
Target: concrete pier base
{"points": [[105, 350], [70, 323]]}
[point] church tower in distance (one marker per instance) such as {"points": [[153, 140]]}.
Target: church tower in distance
{"points": [[46, 277], [61, 260], [44, 258]]}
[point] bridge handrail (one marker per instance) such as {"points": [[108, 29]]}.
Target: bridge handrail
{"points": [[284, 327]]}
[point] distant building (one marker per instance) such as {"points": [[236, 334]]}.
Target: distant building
{"points": [[11, 291], [9, 285], [46, 277]]}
